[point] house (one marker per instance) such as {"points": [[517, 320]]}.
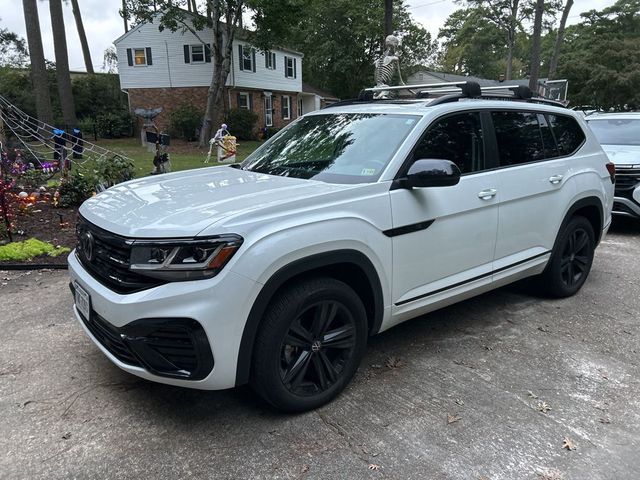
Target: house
{"points": [[169, 69], [554, 89]]}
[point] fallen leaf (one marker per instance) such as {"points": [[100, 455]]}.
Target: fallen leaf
{"points": [[305, 468], [459, 401], [604, 420], [394, 362], [544, 329], [373, 466], [568, 444], [453, 419], [531, 394], [543, 407], [67, 436]]}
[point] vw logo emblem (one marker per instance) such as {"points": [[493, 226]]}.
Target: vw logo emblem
{"points": [[86, 246], [315, 346]]}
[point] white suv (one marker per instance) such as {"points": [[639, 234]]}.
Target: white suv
{"points": [[619, 135], [349, 221]]}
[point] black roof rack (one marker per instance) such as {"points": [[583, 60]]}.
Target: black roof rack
{"points": [[454, 91]]}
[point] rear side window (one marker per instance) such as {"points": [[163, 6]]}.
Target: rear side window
{"points": [[518, 136], [457, 138], [569, 135]]}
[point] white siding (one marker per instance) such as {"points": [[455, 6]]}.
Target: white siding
{"points": [[169, 69]]}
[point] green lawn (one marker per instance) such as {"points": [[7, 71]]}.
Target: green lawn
{"points": [[184, 156]]}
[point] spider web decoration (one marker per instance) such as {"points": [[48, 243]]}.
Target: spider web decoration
{"points": [[38, 141]]}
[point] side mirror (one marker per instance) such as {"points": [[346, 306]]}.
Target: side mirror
{"points": [[431, 172]]}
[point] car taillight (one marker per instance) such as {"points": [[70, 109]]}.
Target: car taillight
{"points": [[611, 168]]}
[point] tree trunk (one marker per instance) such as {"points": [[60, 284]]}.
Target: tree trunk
{"points": [[553, 64], [388, 17], [62, 63], [86, 53], [535, 48], [125, 16], [38, 65], [511, 37]]}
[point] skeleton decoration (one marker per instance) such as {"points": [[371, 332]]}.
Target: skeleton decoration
{"points": [[386, 66]]}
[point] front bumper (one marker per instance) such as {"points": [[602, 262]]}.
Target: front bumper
{"points": [[219, 305]]}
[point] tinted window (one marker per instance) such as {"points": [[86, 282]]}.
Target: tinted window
{"points": [[569, 135], [457, 138], [518, 136], [550, 147]]}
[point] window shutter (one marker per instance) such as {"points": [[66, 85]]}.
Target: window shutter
{"points": [[251, 102], [207, 53], [187, 54], [267, 55], [282, 106], [285, 65], [149, 60], [241, 57], [295, 61], [253, 60], [273, 58], [129, 57], [237, 100]]}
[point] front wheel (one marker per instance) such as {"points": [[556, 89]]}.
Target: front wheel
{"points": [[571, 259], [310, 344]]}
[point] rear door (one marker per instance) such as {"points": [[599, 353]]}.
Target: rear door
{"points": [[534, 153], [444, 237]]}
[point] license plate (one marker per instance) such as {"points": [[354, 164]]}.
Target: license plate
{"points": [[83, 302]]}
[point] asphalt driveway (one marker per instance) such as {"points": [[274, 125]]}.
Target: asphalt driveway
{"points": [[503, 386]]}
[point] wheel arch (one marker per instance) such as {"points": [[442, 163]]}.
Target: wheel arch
{"points": [[592, 209], [350, 266]]}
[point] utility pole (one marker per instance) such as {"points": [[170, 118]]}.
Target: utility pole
{"points": [[125, 16]]}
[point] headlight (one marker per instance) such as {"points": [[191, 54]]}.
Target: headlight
{"points": [[183, 259]]}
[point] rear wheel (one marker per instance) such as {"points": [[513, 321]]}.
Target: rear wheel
{"points": [[571, 259], [309, 345]]}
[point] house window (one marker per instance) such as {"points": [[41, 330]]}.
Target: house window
{"points": [[268, 111], [244, 101], [197, 53], [247, 58], [289, 67], [286, 107], [270, 60], [300, 107], [139, 57]]}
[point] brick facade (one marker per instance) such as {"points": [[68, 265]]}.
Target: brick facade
{"points": [[171, 98]]}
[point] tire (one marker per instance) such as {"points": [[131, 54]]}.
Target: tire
{"points": [[570, 261], [310, 344]]}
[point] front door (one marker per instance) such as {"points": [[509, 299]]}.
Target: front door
{"points": [[444, 237]]}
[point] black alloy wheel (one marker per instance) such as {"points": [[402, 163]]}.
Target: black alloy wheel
{"points": [[317, 347], [571, 259], [575, 260], [309, 345]]}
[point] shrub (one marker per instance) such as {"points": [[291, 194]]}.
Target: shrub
{"points": [[269, 132], [75, 190], [113, 170], [185, 121], [33, 179], [114, 125], [26, 250], [241, 123]]}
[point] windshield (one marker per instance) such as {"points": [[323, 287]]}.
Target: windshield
{"points": [[616, 131], [335, 148]]}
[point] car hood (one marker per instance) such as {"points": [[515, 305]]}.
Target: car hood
{"points": [[182, 204], [623, 154]]}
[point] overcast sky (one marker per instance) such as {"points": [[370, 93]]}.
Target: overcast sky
{"points": [[103, 24]]}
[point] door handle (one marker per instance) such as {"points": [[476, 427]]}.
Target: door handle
{"points": [[555, 179], [487, 194]]}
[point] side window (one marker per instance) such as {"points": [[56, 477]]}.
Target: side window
{"points": [[518, 136], [550, 147], [458, 138], [569, 135]]}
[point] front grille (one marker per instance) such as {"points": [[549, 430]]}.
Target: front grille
{"points": [[627, 179], [109, 261]]}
